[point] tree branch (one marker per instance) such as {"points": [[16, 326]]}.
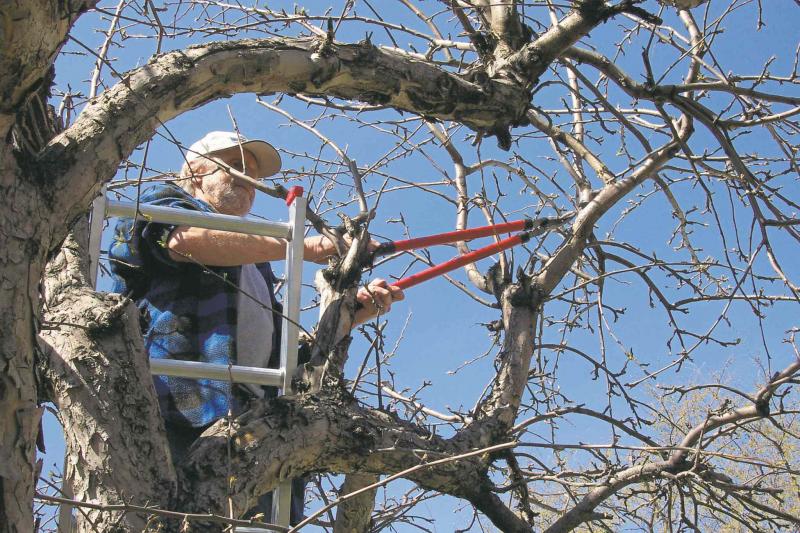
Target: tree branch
{"points": [[79, 160]]}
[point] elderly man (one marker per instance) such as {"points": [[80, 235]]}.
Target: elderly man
{"points": [[207, 295]]}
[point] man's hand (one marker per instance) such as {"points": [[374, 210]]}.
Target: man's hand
{"points": [[376, 298], [319, 248]]}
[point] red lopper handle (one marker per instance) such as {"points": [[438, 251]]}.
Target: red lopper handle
{"points": [[461, 260], [454, 236]]}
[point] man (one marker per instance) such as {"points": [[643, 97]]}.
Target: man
{"points": [[207, 295]]}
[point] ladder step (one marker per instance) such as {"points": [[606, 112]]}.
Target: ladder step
{"points": [[200, 219], [238, 374]]}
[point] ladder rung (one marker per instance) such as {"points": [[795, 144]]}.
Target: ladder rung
{"points": [[200, 219], [238, 374]]}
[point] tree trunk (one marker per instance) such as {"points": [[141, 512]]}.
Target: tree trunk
{"points": [[21, 253]]}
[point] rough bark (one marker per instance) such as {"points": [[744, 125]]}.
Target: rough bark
{"points": [[23, 241], [99, 379], [527, 63], [25, 60], [337, 288], [25, 55]]}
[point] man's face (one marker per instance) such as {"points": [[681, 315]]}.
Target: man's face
{"points": [[220, 189]]}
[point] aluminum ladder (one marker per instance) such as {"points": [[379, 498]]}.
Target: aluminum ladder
{"points": [[293, 232]]}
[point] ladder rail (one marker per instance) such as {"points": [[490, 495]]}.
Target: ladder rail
{"points": [[96, 233], [290, 335]]}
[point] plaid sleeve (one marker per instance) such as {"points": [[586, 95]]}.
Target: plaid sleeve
{"points": [[154, 235]]}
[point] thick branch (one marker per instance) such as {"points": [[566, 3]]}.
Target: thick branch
{"points": [[286, 437], [527, 65], [123, 117], [495, 416], [100, 381]]}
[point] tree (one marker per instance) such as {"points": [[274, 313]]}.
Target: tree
{"points": [[677, 159]]}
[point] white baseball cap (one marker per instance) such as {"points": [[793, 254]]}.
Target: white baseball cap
{"points": [[268, 158]]}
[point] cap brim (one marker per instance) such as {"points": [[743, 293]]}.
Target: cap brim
{"points": [[268, 158]]}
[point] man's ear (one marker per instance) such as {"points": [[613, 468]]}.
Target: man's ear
{"points": [[197, 181], [198, 171]]}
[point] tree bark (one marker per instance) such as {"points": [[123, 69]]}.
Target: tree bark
{"points": [[355, 515], [25, 58], [520, 304], [23, 241], [31, 37], [99, 379], [283, 438]]}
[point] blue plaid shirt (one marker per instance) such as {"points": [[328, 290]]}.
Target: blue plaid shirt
{"points": [[188, 311]]}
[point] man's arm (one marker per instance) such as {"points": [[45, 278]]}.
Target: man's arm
{"points": [[225, 248]]}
